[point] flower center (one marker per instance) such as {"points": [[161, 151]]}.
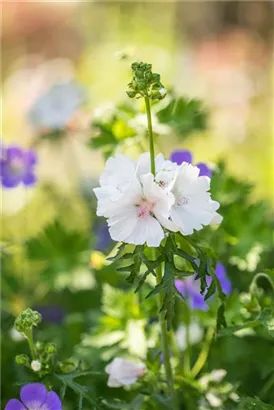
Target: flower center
{"points": [[144, 209], [182, 200], [16, 166]]}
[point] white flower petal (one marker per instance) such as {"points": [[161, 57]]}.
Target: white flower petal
{"points": [[146, 230]]}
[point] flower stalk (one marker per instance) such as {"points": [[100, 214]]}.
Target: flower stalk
{"points": [[158, 271]]}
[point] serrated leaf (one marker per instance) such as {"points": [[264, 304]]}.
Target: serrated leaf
{"points": [[118, 253], [221, 321], [183, 115], [211, 290]]}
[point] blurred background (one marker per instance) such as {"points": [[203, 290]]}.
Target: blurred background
{"points": [[221, 52], [66, 64]]}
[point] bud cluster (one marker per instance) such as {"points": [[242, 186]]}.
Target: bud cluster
{"points": [[145, 83], [26, 320]]}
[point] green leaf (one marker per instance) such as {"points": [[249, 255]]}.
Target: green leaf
{"points": [[255, 403], [267, 319], [185, 116], [119, 253], [221, 321]]}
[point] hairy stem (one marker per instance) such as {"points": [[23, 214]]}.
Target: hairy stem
{"points": [[165, 343], [29, 337], [150, 135], [160, 296]]}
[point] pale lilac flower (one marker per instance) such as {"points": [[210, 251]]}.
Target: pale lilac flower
{"points": [[17, 166], [55, 109], [190, 288], [123, 372], [35, 396], [180, 156]]}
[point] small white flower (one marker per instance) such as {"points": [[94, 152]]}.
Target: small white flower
{"points": [[123, 372], [195, 335], [35, 365], [213, 400]]}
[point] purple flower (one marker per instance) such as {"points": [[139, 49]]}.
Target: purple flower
{"points": [[180, 156], [35, 396], [17, 165], [103, 239], [190, 288], [51, 314]]}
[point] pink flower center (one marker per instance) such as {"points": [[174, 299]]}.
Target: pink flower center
{"points": [[140, 372], [144, 209], [182, 201]]}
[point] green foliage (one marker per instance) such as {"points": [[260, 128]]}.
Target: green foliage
{"points": [[183, 116], [249, 403]]}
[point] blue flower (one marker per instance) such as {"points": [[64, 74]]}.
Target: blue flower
{"points": [[180, 156], [17, 166], [55, 109], [35, 396], [190, 288]]}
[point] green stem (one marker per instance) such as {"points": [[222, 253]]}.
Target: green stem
{"points": [[187, 353], [160, 296], [29, 337], [267, 387], [150, 135], [204, 353], [165, 342]]}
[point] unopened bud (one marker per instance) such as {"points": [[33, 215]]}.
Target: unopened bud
{"points": [[50, 348], [35, 365], [26, 320], [22, 359]]}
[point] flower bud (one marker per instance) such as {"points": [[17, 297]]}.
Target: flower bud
{"points": [[145, 83], [35, 365], [26, 320], [22, 359], [50, 348]]}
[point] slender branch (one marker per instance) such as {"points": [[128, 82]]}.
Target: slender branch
{"points": [[158, 271], [204, 353]]}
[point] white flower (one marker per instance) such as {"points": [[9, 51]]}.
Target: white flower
{"points": [[195, 335], [35, 365], [123, 372], [137, 217], [193, 207], [56, 108], [138, 205]]}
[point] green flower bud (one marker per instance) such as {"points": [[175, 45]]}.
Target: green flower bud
{"points": [[26, 320], [50, 348], [145, 83], [22, 359]]}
